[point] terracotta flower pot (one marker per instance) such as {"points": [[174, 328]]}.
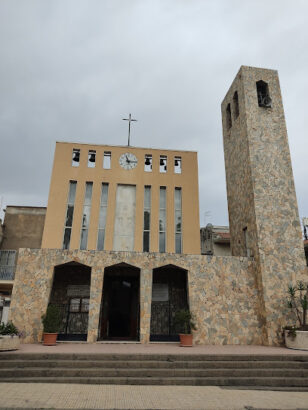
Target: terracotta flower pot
{"points": [[50, 339], [186, 340]]}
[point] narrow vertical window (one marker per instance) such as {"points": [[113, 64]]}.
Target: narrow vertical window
{"points": [[69, 215], [162, 219], [229, 119], [177, 165], [163, 163], [178, 219], [148, 163], [107, 160], [235, 105], [86, 216], [264, 99], [76, 157], [91, 158], [146, 219], [102, 218], [246, 244]]}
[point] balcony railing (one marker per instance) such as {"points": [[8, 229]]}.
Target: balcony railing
{"points": [[7, 265]]}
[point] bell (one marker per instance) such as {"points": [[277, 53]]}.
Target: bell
{"points": [[176, 163], [162, 162], [147, 161], [92, 158], [76, 156]]}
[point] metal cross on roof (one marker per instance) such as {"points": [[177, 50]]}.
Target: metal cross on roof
{"points": [[129, 119]]}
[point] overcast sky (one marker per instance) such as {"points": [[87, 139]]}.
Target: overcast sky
{"points": [[71, 70]]}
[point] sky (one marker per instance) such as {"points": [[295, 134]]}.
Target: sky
{"points": [[70, 70]]}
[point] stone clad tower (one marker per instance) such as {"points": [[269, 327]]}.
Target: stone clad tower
{"points": [[263, 213]]}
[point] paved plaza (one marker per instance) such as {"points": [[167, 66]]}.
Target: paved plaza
{"points": [[73, 396]]}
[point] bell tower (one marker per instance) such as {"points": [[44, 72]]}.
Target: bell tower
{"points": [[262, 205]]}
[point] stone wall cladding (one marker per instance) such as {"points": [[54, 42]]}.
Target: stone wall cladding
{"points": [[261, 195], [221, 292]]}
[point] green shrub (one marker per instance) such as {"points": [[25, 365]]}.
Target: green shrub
{"points": [[8, 329], [52, 319], [185, 320], [298, 303]]}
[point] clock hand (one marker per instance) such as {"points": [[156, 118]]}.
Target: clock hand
{"points": [[127, 160]]}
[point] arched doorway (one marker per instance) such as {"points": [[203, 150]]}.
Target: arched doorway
{"points": [[169, 295], [120, 303], [71, 293]]}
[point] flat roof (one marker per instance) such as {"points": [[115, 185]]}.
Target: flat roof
{"points": [[124, 146], [30, 207]]}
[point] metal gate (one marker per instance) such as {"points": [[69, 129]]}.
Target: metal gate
{"points": [[75, 315], [174, 298]]}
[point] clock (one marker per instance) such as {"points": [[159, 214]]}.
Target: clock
{"points": [[128, 160]]}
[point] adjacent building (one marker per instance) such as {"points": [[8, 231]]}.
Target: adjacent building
{"points": [[22, 228]]}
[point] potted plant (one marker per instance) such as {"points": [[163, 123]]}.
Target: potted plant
{"points": [[9, 336], [296, 336], [51, 325], [185, 320]]}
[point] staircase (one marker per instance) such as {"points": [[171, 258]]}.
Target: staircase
{"points": [[273, 372]]}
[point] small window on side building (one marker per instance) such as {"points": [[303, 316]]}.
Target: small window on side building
{"points": [[76, 157], [107, 160]]}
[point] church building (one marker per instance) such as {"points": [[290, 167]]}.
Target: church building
{"points": [[120, 251]]}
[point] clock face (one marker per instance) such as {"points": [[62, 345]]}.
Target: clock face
{"points": [[128, 160]]}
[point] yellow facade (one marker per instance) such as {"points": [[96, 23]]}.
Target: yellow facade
{"points": [[63, 172]]}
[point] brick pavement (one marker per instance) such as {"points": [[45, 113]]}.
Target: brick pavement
{"points": [[73, 396]]}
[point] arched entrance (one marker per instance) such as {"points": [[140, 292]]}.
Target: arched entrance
{"points": [[169, 295], [120, 311], [71, 293]]}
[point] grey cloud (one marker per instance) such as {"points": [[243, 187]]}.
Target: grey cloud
{"points": [[71, 70]]}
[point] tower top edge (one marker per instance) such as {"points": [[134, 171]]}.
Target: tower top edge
{"points": [[248, 69]]}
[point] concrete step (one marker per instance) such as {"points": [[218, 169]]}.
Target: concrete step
{"points": [[267, 371], [189, 381], [150, 357], [137, 364], [161, 373]]}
